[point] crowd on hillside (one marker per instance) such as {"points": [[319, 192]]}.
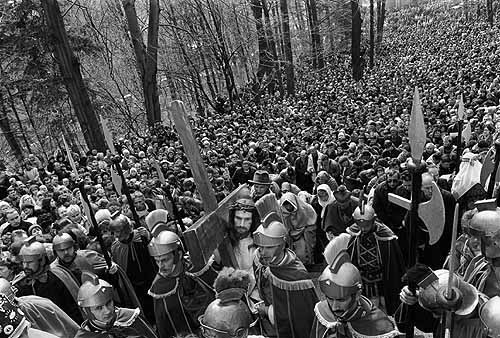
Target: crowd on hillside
{"points": [[334, 144]]}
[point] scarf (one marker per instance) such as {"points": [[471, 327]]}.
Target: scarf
{"points": [[331, 198]]}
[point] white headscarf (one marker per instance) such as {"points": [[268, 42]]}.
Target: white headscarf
{"points": [[331, 198]]}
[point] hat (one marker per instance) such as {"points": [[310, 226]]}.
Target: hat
{"points": [[342, 194], [261, 177]]}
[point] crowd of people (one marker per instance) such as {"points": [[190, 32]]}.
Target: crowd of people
{"points": [[319, 168]]}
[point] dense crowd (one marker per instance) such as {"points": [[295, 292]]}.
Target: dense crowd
{"points": [[329, 157]]}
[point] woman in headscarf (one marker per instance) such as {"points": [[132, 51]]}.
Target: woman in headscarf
{"points": [[321, 202], [300, 220]]}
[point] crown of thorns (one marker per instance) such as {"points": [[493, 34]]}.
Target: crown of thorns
{"points": [[242, 205]]}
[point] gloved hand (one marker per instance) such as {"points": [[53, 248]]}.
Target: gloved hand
{"points": [[408, 297]]}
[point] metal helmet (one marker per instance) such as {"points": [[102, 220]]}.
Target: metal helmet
{"points": [[489, 314], [102, 215], [364, 212], [273, 235], [433, 296], [340, 278], [486, 222], [228, 313], [32, 250], [6, 289], [94, 291], [164, 243], [62, 241], [156, 218]]}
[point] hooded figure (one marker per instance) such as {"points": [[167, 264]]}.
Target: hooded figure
{"points": [[300, 220]]}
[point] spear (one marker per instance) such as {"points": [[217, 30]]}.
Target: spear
{"points": [[417, 137], [116, 161], [460, 122], [87, 206], [168, 193], [451, 272]]}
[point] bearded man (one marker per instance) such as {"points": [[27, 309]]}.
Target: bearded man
{"points": [[179, 295], [41, 281]]}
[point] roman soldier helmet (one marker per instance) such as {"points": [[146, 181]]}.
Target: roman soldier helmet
{"points": [[164, 243], [94, 291], [32, 250], [62, 241], [486, 224], [490, 316], [156, 221], [228, 314], [340, 278], [364, 212], [433, 296], [273, 234]]}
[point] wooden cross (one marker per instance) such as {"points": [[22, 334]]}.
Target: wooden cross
{"points": [[210, 231]]}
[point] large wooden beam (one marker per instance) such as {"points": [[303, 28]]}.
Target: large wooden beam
{"points": [[210, 233]]}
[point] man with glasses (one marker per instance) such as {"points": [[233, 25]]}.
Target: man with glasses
{"points": [[375, 251]]}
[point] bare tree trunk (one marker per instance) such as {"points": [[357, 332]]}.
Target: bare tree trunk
{"points": [[380, 20], [244, 54], [331, 39], [287, 44], [372, 35], [265, 65], [35, 130], [8, 132], [70, 72], [317, 48], [489, 11], [16, 114], [146, 58], [357, 69], [272, 46]]}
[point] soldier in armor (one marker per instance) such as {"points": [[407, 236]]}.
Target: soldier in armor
{"points": [[483, 270], [103, 319], [283, 283], [489, 315], [71, 262], [228, 315], [41, 281], [345, 313], [432, 296], [42, 313], [179, 295], [375, 251]]}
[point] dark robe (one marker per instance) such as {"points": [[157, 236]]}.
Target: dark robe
{"points": [[50, 286], [134, 259], [129, 324], [290, 290], [385, 272], [178, 301], [336, 219], [46, 316], [90, 260], [366, 320]]}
